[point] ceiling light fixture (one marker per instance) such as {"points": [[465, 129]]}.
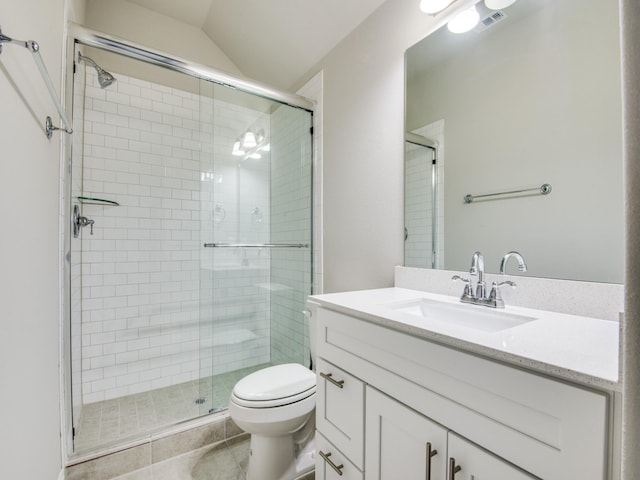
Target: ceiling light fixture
{"points": [[434, 6], [237, 150], [464, 21], [249, 140], [498, 4]]}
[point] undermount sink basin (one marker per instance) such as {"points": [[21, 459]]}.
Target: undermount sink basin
{"points": [[463, 315]]}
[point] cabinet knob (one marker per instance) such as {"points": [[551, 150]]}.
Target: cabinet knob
{"points": [[325, 457], [329, 378], [431, 452], [453, 468]]}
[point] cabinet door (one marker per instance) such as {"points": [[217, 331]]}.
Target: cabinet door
{"points": [[340, 410], [470, 462], [401, 443], [332, 464]]}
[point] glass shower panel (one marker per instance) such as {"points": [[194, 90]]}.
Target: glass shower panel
{"points": [[163, 327], [419, 208], [291, 200], [135, 320], [256, 223]]}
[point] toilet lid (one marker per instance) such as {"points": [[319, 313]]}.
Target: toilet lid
{"points": [[277, 382]]}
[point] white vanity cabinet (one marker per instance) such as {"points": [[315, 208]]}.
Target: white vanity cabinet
{"points": [[470, 462], [410, 397], [332, 464], [340, 410], [401, 443]]}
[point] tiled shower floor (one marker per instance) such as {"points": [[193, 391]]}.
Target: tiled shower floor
{"points": [[110, 421]]}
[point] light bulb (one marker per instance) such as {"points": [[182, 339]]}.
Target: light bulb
{"points": [[237, 151], [249, 140], [434, 6], [464, 21], [498, 4]]}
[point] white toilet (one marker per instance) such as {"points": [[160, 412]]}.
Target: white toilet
{"points": [[276, 405]]}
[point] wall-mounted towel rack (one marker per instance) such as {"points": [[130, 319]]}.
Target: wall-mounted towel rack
{"points": [[544, 189], [34, 48]]}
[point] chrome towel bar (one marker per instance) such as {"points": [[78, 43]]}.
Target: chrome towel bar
{"points": [[543, 189], [256, 245], [34, 48]]}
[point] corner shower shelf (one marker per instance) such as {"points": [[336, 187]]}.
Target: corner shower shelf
{"points": [[97, 201]]}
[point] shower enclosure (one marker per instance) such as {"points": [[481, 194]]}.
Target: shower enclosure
{"points": [[424, 197], [190, 244]]}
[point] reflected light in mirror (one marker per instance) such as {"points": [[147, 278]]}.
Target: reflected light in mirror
{"points": [[464, 21], [237, 150], [434, 6]]}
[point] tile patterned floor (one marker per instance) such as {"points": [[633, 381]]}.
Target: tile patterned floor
{"points": [[105, 423], [226, 460]]}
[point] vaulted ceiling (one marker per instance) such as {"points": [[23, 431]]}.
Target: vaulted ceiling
{"points": [[274, 40]]}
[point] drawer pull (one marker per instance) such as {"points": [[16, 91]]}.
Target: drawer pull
{"points": [[325, 457], [329, 377], [453, 468], [431, 452]]}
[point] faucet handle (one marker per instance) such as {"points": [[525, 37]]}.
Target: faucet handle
{"points": [[468, 289], [458, 277], [495, 299]]}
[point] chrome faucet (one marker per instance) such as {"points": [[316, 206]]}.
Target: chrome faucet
{"points": [[522, 266], [477, 268], [479, 296]]}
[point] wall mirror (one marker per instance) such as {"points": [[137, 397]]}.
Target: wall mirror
{"points": [[529, 97]]}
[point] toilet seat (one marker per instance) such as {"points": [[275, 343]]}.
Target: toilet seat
{"points": [[275, 386]]}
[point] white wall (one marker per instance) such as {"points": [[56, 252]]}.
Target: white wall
{"points": [[364, 147], [29, 245]]}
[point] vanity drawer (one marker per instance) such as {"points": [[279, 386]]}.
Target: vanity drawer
{"points": [[344, 469], [550, 428], [340, 409]]}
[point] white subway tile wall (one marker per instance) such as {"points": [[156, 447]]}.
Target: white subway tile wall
{"points": [[313, 90], [419, 200], [157, 309], [290, 223], [418, 206]]}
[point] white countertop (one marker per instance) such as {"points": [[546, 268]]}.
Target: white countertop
{"points": [[570, 347]]}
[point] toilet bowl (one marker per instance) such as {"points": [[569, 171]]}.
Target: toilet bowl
{"points": [[276, 405]]}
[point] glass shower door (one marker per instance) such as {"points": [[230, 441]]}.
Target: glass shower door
{"points": [[162, 327], [256, 236]]}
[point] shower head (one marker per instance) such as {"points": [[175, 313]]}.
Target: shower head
{"points": [[104, 78]]}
